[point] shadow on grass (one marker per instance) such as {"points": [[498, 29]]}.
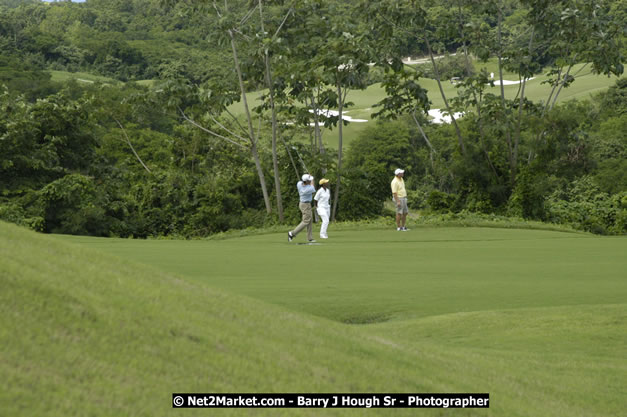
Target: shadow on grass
{"points": [[368, 318]]}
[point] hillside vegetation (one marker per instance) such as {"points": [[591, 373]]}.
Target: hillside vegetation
{"points": [[128, 118]]}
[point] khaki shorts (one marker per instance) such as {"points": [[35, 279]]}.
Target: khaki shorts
{"points": [[402, 208]]}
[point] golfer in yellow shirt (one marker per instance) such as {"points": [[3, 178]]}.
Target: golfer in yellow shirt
{"points": [[400, 198]]}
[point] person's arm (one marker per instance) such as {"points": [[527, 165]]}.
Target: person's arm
{"points": [[395, 194], [317, 196]]}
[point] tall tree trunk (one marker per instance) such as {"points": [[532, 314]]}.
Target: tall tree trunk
{"points": [[128, 140], [548, 105], [448, 108], [564, 79], [317, 130], [424, 136], [275, 162], [520, 104], [474, 94], [251, 131], [548, 101], [339, 150], [313, 136], [287, 149], [508, 133]]}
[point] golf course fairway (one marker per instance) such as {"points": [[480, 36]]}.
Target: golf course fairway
{"points": [[98, 326]]}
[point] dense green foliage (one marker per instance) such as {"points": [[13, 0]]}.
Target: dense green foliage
{"points": [[578, 176], [104, 155], [122, 39], [68, 167]]}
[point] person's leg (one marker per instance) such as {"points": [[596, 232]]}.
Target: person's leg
{"points": [[308, 216], [405, 211], [305, 209], [398, 220], [324, 216], [328, 220]]}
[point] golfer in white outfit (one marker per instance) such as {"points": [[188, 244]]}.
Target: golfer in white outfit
{"points": [[322, 197]]}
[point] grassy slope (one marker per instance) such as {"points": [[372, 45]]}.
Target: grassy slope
{"points": [[86, 333], [537, 318]]}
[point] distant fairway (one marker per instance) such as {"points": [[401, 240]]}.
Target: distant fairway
{"points": [[536, 318], [81, 77], [585, 85]]}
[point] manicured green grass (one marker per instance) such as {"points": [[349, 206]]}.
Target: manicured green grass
{"points": [[586, 83], [84, 77], [360, 276], [147, 83], [536, 318]]}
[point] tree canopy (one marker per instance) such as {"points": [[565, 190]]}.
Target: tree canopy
{"points": [[147, 141]]}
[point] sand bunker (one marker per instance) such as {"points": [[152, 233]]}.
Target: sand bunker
{"points": [[508, 82], [439, 117], [334, 113]]}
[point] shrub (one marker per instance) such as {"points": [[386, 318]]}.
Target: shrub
{"points": [[584, 206], [72, 205], [440, 202], [449, 66], [528, 197], [15, 213], [611, 176], [364, 194], [418, 199]]}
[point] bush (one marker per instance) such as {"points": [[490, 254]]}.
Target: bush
{"points": [[15, 213], [72, 205], [375, 75], [611, 176], [449, 66], [363, 194], [418, 199], [584, 206], [528, 197], [371, 160], [440, 202], [478, 201]]}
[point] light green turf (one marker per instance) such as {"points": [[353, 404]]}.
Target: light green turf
{"points": [[371, 275], [147, 83], [81, 77], [536, 318], [85, 77]]}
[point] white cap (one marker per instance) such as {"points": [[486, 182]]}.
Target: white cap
{"points": [[306, 177], [399, 171]]}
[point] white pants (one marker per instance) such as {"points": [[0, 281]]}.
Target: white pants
{"points": [[324, 213]]}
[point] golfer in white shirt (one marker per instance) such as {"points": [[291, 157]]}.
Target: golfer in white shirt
{"points": [[322, 197]]}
